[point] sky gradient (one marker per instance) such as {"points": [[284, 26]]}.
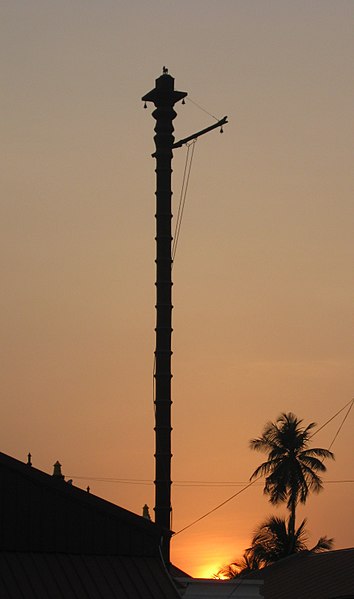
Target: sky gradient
{"points": [[263, 276]]}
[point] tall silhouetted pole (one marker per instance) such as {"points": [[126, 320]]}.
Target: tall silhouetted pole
{"points": [[164, 97]]}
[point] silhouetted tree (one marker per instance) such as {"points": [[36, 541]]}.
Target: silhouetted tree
{"points": [[271, 542], [291, 470]]}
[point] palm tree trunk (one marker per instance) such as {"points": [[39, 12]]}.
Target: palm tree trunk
{"points": [[292, 526]]}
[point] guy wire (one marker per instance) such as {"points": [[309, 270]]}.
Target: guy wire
{"points": [[201, 108], [183, 195]]}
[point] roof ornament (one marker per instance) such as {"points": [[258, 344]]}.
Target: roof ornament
{"points": [[164, 70], [146, 513], [57, 470], [29, 461]]}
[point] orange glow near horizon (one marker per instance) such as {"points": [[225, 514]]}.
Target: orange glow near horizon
{"points": [[202, 555], [208, 571], [209, 563]]}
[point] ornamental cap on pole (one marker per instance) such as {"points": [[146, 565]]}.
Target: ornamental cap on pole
{"points": [[164, 91]]}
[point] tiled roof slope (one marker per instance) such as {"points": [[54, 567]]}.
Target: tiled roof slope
{"points": [[327, 575], [40, 513], [65, 576]]}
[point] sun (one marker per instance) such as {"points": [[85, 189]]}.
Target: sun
{"points": [[208, 570]]}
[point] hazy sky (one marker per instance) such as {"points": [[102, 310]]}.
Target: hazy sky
{"points": [[263, 278]]}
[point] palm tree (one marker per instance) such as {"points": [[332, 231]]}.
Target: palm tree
{"points": [[291, 469], [273, 540]]}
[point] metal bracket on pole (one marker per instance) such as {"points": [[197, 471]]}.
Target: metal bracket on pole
{"points": [[180, 143]]}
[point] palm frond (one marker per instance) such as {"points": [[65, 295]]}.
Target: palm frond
{"points": [[323, 544], [313, 481], [321, 453], [262, 470], [273, 540]]}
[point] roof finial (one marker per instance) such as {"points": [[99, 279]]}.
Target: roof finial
{"points": [[57, 470], [146, 513], [164, 70], [29, 461]]}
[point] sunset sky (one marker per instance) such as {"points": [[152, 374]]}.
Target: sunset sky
{"points": [[263, 277]]}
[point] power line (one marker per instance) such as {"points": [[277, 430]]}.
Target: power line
{"points": [[333, 417], [195, 483], [227, 483], [217, 507], [180, 483], [217, 484], [350, 403], [102, 479], [341, 425], [223, 483]]}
